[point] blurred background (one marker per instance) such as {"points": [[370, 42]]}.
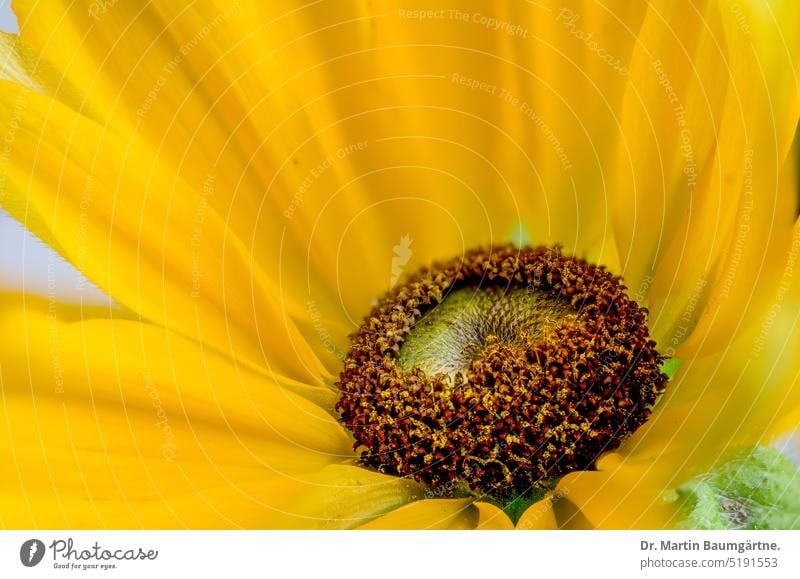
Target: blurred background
{"points": [[7, 20]]}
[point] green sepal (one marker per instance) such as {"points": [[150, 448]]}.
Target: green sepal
{"points": [[513, 506], [755, 488], [670, 366]]}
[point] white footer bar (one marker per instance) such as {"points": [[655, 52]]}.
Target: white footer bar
{"points": [[352, 555]]}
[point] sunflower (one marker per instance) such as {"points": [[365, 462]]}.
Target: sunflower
{"points": [[298, 208]]}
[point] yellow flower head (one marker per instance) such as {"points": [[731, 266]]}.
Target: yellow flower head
{"points": [[253, 182]]}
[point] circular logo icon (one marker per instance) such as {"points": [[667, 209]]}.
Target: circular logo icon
{"points": [[31, 552]]}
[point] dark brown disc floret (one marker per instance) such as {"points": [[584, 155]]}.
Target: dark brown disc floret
{"points": [[499, 371]]}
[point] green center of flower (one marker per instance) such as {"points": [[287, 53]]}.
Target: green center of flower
{"points": [[496, 372], [471, 319]]}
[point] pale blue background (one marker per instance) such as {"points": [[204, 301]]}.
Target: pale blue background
{"points": [[8, 21]]}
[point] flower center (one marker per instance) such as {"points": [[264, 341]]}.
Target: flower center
{"points": [[470, 319], [499, 371]]}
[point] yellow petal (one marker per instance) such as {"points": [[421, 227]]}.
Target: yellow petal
{"points": [[337, 497], [314, 166], [141, 234], [492, 518], [741, 396], [708, 118], [20, 65], [737, 396], [15, 61], [177, 101], [103, 415], [754, 268], [787, 426], [619, 495], [516, 102], [676, 86], [540, 516], [574, 78], [430, 514]]}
